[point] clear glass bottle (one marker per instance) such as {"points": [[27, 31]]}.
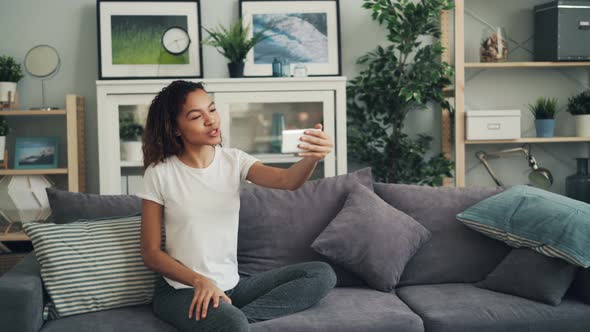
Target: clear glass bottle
{"points": [[494, 45], [285, 68]]}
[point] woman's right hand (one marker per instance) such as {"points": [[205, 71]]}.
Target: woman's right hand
{"points": [[205, 290]]}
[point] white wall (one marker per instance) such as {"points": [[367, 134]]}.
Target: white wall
{"points": [[70, 27]]}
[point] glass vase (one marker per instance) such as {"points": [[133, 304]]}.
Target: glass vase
{"points": [[494, 45], [577, 186]]}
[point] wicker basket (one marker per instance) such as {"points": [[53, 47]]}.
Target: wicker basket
{"points": [[8, 261]]}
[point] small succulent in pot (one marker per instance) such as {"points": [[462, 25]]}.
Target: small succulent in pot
{"points": [[129, 130], [544, 111], [544, 108], [10, 74], [10, 70], [579, 106]]}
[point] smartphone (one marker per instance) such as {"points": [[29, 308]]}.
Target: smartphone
{"points": [[290, 140]]}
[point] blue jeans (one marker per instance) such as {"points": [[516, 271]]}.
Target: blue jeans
{"points": [[259, 297]]}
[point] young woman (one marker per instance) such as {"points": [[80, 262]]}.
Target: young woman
{"points": [[191, 185]]}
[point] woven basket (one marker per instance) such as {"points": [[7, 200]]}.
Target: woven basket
{"points": [[8, 261]]}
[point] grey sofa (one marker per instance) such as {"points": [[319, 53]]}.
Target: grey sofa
{"points": [[436, 291]]}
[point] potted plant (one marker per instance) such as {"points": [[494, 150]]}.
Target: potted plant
{"points": [[10, 74], [404, 76], [3, 132], [130, 133], [544, 110], [234, 44], [579, 107]]}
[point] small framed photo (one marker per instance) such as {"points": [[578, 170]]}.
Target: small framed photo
{"points": [[149, 39], [303, 32], [35, 152]]}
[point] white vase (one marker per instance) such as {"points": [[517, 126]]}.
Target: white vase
{"points": [[5, 87], [2, 147], [131, 151], [582, 125]]}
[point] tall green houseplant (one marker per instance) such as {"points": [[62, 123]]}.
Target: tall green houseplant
{"points": [[405, 75]]}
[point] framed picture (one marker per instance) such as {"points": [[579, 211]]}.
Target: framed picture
{"points": [[35, 152], [149, 39], [300, 32]]}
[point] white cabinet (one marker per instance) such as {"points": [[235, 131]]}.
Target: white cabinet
{"points": [[248, 107]]}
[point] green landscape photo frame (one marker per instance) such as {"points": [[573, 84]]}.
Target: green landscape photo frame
{"points": [[131, 39]]}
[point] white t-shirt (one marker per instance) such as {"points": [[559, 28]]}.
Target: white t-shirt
{"points": [[201, 212]]}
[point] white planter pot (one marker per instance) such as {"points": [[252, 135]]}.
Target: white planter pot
{"points": [[4, 88], [582, 125], [2, 146], [131, 151]]}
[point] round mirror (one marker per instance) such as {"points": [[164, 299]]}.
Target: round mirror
{"points": [[42, 61]]}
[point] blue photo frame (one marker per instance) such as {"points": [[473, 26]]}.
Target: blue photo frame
{"points": [[36, 153], [301, 32]]}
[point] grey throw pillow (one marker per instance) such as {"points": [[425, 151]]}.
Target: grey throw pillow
{"points": [[68, 207], [278, 226], [372, 239], [529, 274]]}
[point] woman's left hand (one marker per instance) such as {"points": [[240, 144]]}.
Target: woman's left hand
{"points": [[318, 145]]}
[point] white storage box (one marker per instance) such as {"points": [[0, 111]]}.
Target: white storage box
{"points": [[492, 125]]}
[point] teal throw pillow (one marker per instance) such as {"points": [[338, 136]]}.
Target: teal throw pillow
{"points": [[524, 216]]}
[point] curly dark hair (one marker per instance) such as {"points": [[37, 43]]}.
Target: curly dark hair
{"points": [[159, 139]]}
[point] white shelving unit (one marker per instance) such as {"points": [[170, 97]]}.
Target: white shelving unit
{"points": [[462, 66], [240, 101]]}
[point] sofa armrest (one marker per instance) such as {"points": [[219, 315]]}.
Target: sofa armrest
{"points": [[21, 296]]}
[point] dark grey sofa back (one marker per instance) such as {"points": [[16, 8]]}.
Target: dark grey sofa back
{"points": [[454, 253]]}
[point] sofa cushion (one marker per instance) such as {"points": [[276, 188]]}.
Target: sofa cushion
{"points": [[90, 266], [277, 226], [68, 206], [526, 273], [466, 308], [135, 318], [524, 216], [581, 285], [348, 309], [454, 253], [371, 238], [343, 309]]}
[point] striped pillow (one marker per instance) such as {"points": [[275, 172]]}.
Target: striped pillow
{"points": [[91, 265], [523, 216]]}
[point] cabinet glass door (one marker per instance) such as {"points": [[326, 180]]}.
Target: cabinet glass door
{"points": [[252, 122], [130, 110]]}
